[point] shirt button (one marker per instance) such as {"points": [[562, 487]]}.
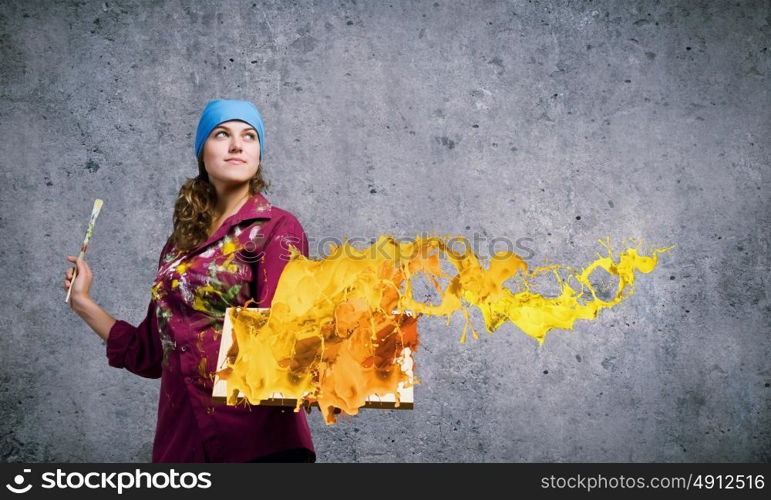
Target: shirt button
{"points": [[183, 348], [188, 380]]}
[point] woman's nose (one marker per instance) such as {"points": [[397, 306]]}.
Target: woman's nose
{"points": [[235, 143]]}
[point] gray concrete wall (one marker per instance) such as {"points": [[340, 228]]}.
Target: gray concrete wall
{"points": [[502, 119]]}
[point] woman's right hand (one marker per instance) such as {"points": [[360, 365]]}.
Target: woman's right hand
{"points": [[82, 284]]}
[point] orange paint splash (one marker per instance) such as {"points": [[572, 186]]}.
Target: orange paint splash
{"points": [[338, 325]]}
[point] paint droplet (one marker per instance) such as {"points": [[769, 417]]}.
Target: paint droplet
{"points": [[578, 217], [546, 372]]}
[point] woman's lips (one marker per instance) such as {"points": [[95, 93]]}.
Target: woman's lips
{"points": [[235, 162]]}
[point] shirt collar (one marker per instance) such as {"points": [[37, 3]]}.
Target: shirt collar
{"points": [[255, 207]]}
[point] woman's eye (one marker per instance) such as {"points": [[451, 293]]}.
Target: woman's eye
{"points": [[250, 135], [220, 132]]}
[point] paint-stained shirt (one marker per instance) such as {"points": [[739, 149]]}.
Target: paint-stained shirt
{"points": [[179, 339]]}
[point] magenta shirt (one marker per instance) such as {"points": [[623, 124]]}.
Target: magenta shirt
{"points": [[178, 341]]}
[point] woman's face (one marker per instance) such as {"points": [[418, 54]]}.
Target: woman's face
{"points": [[231, 153]]}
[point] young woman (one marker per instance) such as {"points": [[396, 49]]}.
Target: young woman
{"points": [[229, 244]]}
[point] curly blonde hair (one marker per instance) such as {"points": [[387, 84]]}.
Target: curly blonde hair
{"points": [[194, 208]]}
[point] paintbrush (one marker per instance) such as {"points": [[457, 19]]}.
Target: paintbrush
{"points": [[84, 246]]}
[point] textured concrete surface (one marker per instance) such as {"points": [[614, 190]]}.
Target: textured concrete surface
{"points": [[562, 122]]}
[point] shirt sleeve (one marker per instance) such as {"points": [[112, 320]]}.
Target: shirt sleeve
{"points": [[275, 256], [137, 349]]}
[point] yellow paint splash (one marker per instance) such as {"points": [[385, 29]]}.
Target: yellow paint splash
{"points": [[338, 325]]}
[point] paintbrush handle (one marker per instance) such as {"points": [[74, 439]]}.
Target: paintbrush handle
{"points": [[69, 290]]}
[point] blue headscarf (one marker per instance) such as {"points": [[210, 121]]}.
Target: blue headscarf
{"points": [[222, 110]]}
